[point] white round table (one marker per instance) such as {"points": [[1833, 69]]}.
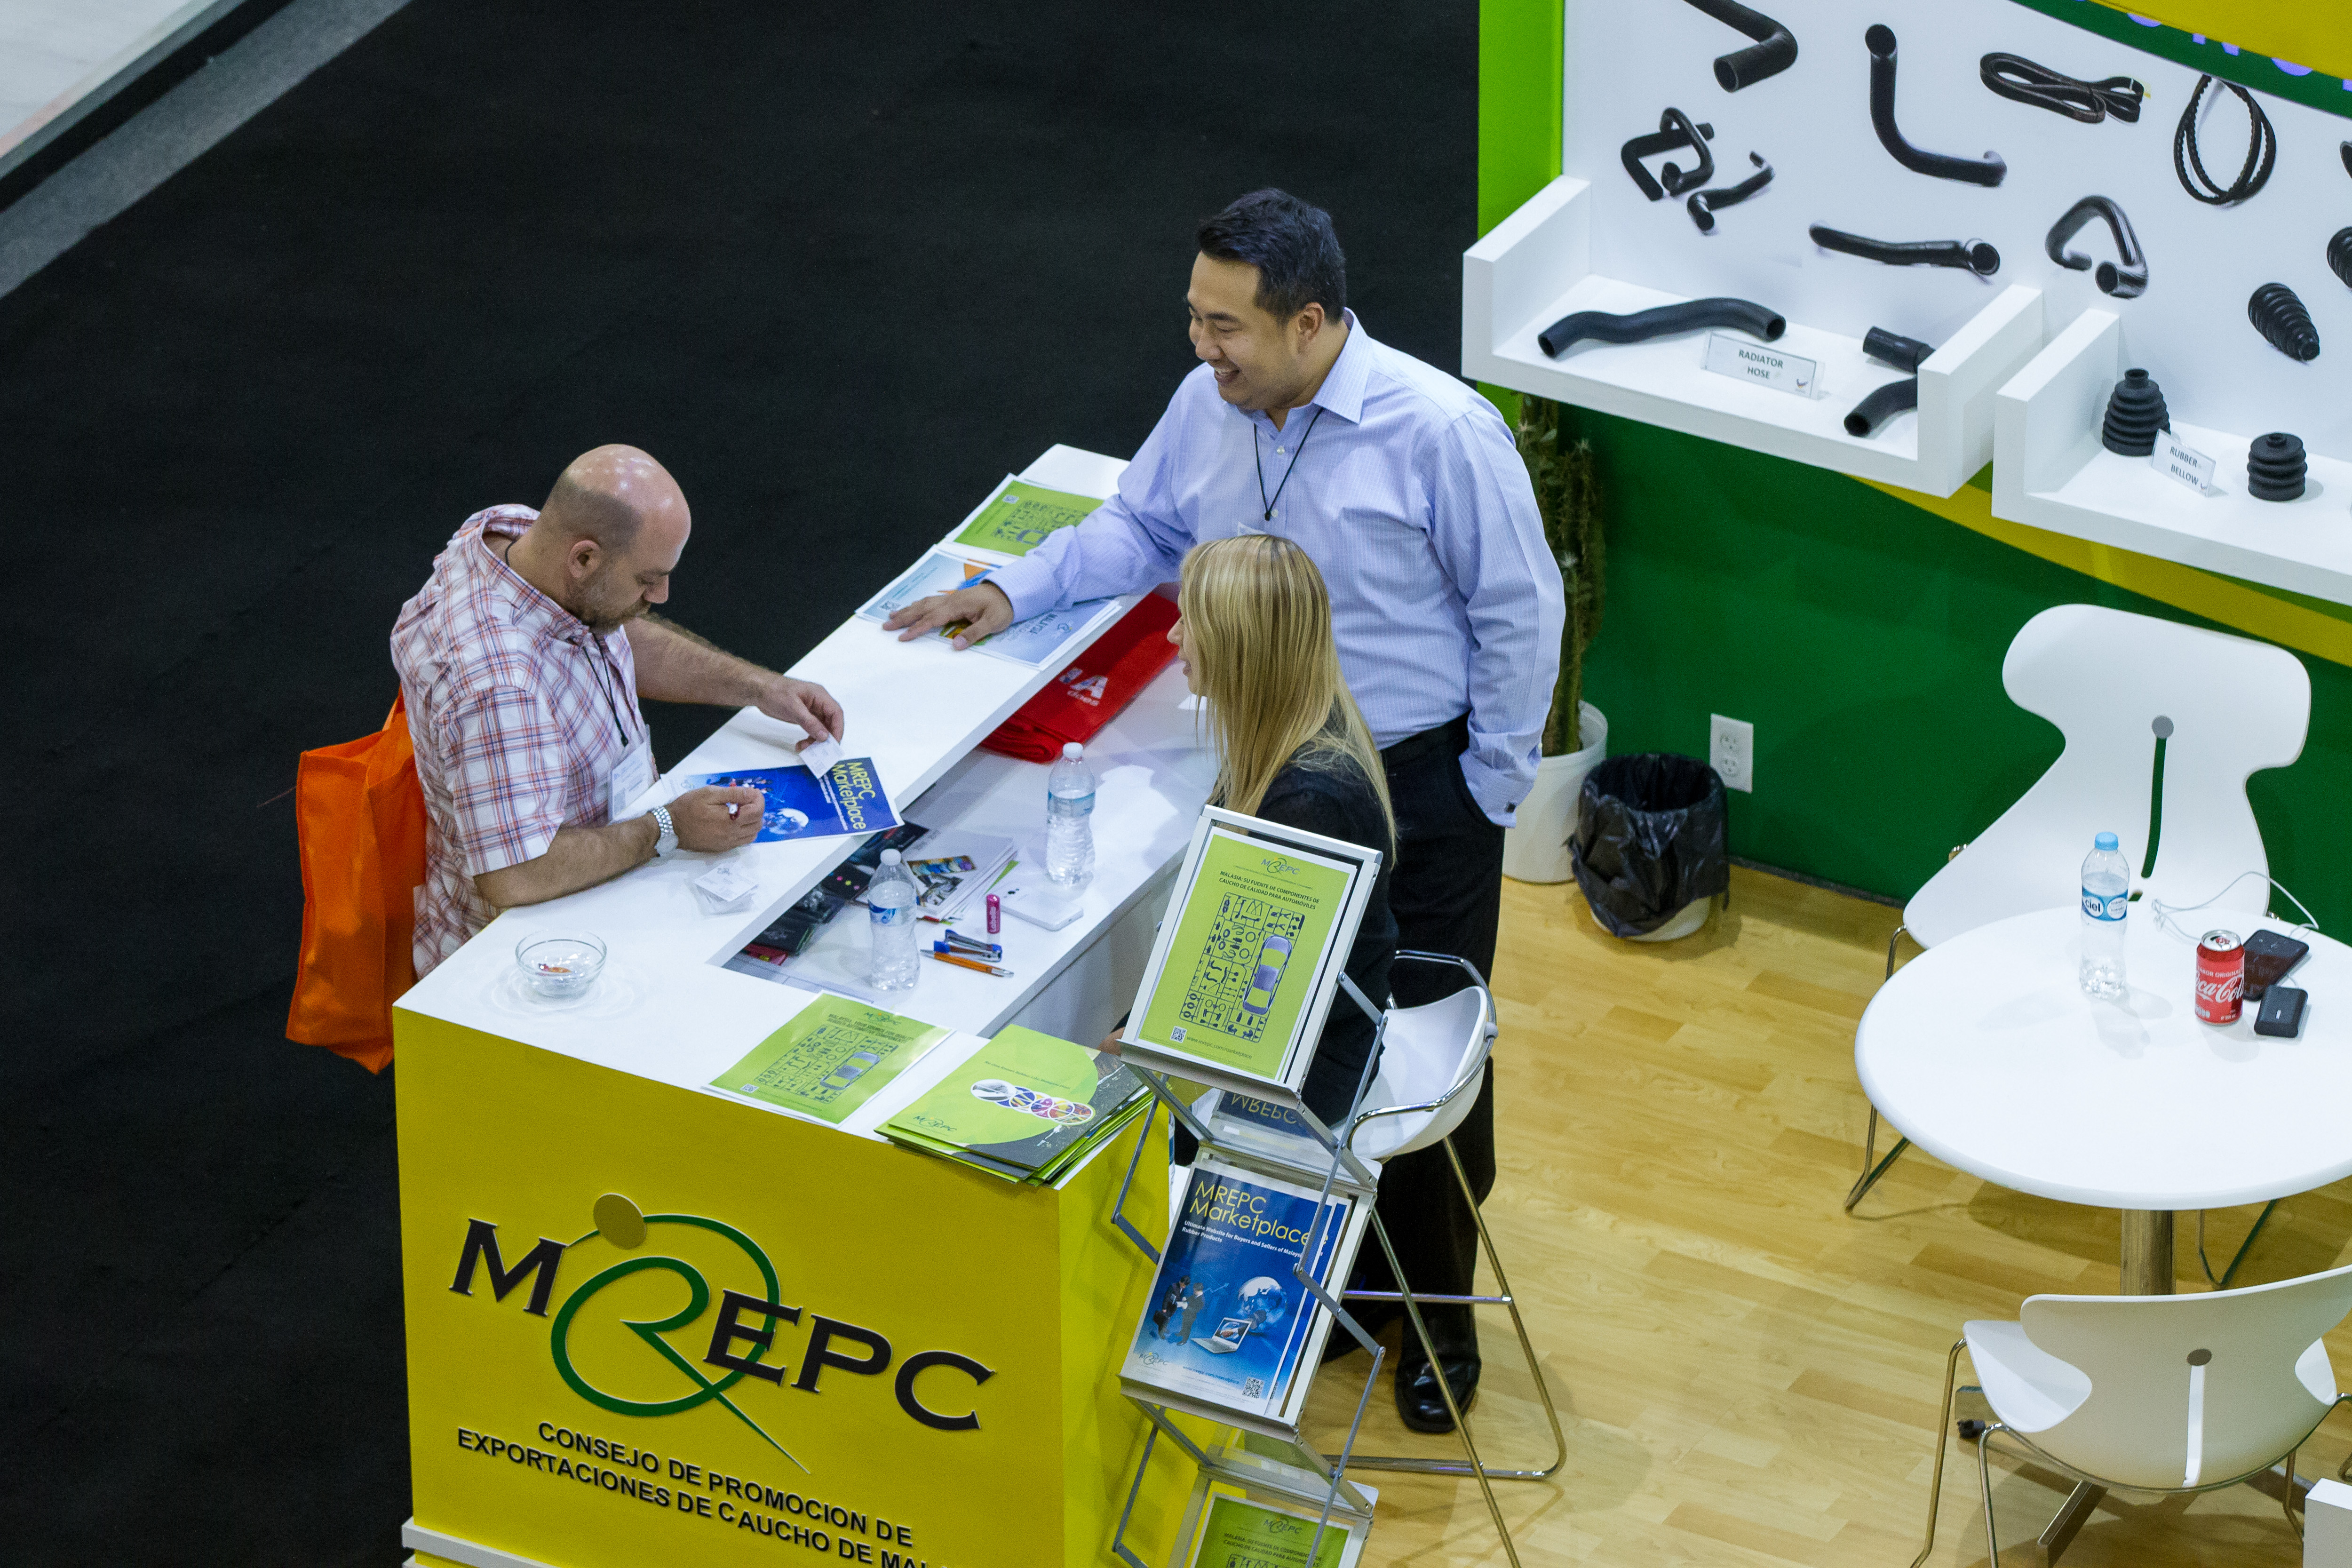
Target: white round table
{"points": [[1984, 1051]]}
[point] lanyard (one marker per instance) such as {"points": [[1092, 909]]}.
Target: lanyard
{"points": [[1296, 453], [605, 663]]}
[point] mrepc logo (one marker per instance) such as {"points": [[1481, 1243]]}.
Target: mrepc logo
{"points": [[664, 1314]]}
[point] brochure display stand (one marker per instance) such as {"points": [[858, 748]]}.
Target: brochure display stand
{"points": [[1248, 962]]}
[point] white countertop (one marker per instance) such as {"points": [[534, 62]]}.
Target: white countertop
{"points": [[1984, 1051], [664, 1007]]}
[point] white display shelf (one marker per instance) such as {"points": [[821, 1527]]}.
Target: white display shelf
{"points": [[1535, 268], [2051, 472]]}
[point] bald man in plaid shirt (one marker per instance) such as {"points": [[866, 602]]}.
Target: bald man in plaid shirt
{"points": [[523, 660]]}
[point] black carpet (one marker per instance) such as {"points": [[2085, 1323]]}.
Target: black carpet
{"points": [[840, 268]]}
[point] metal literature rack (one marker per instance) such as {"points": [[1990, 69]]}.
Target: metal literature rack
{"points": [[1268, 1457]]}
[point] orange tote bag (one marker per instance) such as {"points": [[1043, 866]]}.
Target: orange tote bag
{"points": [[360, 816]]}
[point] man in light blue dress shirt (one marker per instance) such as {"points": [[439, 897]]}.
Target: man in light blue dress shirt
{"points": [[1403, 484]]}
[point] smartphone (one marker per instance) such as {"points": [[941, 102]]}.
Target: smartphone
{"points": [[2269, 955]]}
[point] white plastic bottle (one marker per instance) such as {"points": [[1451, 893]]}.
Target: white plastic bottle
{"points": [[1070, 819], [2106, 900], [890, 912]]}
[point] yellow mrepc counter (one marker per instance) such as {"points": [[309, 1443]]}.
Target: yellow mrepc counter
{"points": [[646, 1326], [652, 1323]]}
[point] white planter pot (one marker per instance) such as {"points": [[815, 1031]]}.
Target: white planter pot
{"points": [[1687, 919], [1537, 850]]}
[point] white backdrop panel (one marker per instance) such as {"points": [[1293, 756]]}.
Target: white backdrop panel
{"points": [[1628, 59]]}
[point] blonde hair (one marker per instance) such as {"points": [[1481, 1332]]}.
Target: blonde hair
{"points": [[1260, 622]]}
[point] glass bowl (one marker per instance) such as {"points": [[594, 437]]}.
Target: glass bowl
{"points": [[560, 965]]}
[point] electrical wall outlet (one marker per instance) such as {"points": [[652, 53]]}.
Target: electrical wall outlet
{"points": [[1731, 750]]}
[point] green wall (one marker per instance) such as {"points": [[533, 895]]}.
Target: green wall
{"points": [[1863, 637]]}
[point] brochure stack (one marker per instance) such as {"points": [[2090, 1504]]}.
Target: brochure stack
{"points": [[1249, 962], [1026, 1107]]}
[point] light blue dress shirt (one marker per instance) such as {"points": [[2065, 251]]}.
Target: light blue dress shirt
{"points": [[1411, 497]]}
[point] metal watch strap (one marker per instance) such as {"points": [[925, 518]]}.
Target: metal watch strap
{"points": [[668, 842]]}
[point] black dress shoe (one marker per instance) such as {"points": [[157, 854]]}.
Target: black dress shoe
{"points": [[1419, 1402]]}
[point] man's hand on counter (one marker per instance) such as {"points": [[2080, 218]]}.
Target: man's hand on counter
{"points": [[982, 609], [709, 819], [803, 702], [717, 817]]}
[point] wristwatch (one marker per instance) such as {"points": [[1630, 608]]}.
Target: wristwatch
{"points": [[668, 842]]}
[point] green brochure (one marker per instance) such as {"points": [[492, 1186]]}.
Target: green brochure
{"points": [[1236, 1533], [1244, 956], [1019, 1104], [1018, 517], [830, 1058]]}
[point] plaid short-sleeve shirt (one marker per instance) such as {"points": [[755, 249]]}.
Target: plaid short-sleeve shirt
{"points": [[518, 713]]}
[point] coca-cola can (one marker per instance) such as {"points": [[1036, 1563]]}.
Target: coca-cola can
{"points": [[2221, 977]]}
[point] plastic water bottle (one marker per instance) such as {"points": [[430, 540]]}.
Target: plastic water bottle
{"points": [[2106, 899], [1070, 819], [890, 911]]}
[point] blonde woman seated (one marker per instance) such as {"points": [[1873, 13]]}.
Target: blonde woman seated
{"points": [[1256, 638]]}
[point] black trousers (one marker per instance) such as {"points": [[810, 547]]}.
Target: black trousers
{"points": [[1446, 894]]}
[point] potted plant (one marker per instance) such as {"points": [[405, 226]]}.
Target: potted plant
{"points": [[1575, 736]]}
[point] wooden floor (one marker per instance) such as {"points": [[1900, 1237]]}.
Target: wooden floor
{"points": [[1746, 1374]]}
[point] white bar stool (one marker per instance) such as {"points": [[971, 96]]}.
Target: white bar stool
{"points": [[1433, 1061]]}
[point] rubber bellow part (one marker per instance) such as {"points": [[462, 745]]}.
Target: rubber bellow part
{"points": [[2135, 412], [1774, 50], [2275, 468], [2280, 317], [1643, 325], [2339, 255]]}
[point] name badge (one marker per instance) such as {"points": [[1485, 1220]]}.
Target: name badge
{"points": [[631, 777]]}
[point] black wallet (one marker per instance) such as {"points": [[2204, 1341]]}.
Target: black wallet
{"points": [[2282, 1012]]}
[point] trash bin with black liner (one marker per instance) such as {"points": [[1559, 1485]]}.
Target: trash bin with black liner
{"points": [[1650, 840]]}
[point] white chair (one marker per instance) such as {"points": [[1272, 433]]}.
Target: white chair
{"points": [[1433, 1061], [2161, 1394], [2151, 710]]}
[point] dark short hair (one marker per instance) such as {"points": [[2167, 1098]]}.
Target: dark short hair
{"points": [[1291, 244]]}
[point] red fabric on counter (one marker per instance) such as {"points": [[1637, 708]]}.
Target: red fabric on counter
{"points": [[1090, 693]]}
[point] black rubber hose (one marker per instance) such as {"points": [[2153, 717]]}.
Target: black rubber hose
{"points": [[2339, 255], [2261, 151], [1704, 204], [1674, 132], [1643, 325], [1774, 50], [1989, 171], [2015, 76], [1973, 256], [2126, 277], [1884, 404], [1895, 349]]}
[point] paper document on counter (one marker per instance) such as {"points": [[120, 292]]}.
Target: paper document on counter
{"points": [[939, 572], [1026, 1107], [830, 1058], [1019, 516]]}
